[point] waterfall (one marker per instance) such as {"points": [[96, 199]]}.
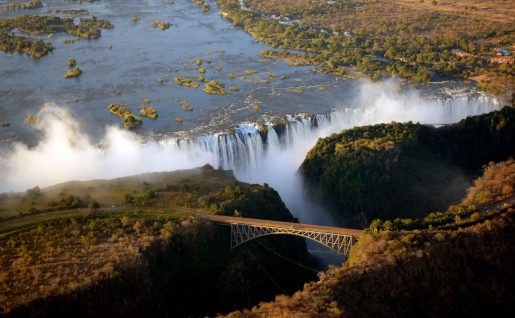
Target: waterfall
{"points": [[274, 157], [256, 152], [248, 150]]}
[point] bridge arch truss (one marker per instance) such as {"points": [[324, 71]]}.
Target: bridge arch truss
{"points": [[242, 233]]}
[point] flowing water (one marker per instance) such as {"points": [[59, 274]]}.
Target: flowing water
{"points": [[79, 139]]}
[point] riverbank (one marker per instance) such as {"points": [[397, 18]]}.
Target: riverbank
{"points": [[341, 37]]}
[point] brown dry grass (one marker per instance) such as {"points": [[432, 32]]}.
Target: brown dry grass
{"points": [[497, 183], [494, 10], [58, 257]]}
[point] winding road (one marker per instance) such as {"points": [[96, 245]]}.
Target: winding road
{"points": [[25, 221]]}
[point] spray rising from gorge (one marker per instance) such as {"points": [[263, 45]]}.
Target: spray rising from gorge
{"points": [[272, 156]]}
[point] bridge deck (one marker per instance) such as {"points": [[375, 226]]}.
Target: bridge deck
{"points": [[282, 225]]}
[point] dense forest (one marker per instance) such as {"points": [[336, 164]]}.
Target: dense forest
{"points": [[404, 169], [193, 272], [453, 263], [409, 39]]}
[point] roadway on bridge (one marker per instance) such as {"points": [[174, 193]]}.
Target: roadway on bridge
{"points": [[280, 224]]}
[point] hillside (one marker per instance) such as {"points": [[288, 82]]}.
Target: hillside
{"points": [[206, 189], [138, 250], [454, 263], [404, 169]]}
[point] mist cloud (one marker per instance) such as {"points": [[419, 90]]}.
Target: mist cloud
{"points": [[64, 153]]}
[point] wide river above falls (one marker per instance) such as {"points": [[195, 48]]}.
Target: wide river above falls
{"points": [[140, 54]]}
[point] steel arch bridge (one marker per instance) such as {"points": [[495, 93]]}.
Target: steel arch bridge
{"points": [[244, 230], [340, 243]]}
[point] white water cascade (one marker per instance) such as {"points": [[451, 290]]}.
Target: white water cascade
{"points": [[276, 158], [64, 153], [245, 150]]}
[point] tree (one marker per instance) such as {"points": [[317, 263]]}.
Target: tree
{"points": [[34, 193], [128, 199], [93, 206]]}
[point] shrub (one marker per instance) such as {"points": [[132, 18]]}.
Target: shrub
{"points": [[71, 62], [149, 112], [214, 88], [74, 72]]}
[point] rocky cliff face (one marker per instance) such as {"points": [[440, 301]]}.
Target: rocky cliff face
{"points": [[453, 263]]}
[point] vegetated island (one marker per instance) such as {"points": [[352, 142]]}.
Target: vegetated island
{"points": [[158, 24], [88, 28], [15, 6], [185, 81], [214, 87], [203, 6], [129, 120], [72, 73], [70, 11], [148, 111]]}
